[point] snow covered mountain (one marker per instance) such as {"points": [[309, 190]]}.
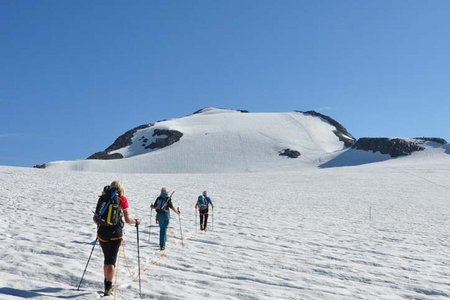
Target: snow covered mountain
{"points": [[313, 231], [220, 140], [214, 140]]}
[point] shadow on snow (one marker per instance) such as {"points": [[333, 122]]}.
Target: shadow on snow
{"points": [[37, 293]]}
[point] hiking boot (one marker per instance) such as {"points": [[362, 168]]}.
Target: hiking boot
{"points": [[108, 292], [108, 288], [162, 248]]}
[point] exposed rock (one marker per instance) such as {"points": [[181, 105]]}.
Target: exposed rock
{"points": [[125, 139], [43, 166], [290, 153], [170, 137], [105, 155], [122, 141], [340, 132], [433, 139], [202, 109], [394, 147]]}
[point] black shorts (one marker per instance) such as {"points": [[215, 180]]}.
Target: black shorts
{"points": [[110, 250]]}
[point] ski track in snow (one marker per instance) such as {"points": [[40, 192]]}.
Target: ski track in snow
{"points": [[296, 235]]}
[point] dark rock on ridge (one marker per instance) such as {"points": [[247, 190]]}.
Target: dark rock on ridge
{"points": [[125, 139], [43, 166], [341, 132], [432, 139], [122, 141], [201, 110], [289, 153], [105, 155], [394, 147], [172, 136]]}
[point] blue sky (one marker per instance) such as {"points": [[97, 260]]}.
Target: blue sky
{"points": [[74, 75]]}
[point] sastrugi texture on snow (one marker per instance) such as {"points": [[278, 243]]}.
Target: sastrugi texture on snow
{"points": [[378, 231]]}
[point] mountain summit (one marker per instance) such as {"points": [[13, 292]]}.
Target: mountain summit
{"points": [[221, 140], [213, 140]]}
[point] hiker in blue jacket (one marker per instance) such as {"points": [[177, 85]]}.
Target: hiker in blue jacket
{"points": [[203, 202], [162, 205]]}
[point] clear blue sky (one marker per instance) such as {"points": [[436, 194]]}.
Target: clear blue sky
{"points": [[74, 75]]}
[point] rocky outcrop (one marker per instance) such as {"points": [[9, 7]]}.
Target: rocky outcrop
{"points": [[203, 109], [289, 153], [168, 138], [125, 139], [433, 139], [394, 147], [39, 166], [340, 132], [122, 141], [105, 155]]}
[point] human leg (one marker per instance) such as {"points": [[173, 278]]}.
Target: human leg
{"points": [[205, 221], [201, 221], [163, 224], [110, 251]]}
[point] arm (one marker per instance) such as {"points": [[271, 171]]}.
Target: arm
{"points": [[128, 218], [210, 202], [177, 211], [153, 205]]}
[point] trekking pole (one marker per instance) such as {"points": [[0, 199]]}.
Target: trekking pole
{"points": [[139, 259], [181, 231], [196, 229], [95, 243], [212, 219], [150, 227]]}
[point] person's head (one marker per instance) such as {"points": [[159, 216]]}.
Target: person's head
{"points": [[163, 190], [118, 185], [205, 193]]}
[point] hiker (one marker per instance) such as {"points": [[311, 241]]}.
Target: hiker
{"points": [[203, 202], [110, 227], [162, 205]]}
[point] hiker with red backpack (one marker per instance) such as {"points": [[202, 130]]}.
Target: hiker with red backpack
{"points": [[203, 202], [111, 206], [162, 205]]}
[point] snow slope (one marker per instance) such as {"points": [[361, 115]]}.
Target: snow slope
{"points": [[377, 231], [217, 140]]}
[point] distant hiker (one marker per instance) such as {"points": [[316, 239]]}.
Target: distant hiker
{"points": [[203, 202], [162, 205], [111, 206]]}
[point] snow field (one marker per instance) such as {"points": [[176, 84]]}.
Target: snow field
{"points": [[291, 235]]}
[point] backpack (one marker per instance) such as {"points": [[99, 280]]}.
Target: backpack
{"points": [[202, 203], [108, 211], [162, 204]]}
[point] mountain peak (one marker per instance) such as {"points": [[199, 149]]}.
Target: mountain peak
{"points": [[221, 140]]}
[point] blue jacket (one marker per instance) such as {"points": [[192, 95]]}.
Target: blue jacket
{"points": [[208, 202]]}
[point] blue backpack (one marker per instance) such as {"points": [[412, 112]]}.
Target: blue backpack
{"points": [[162, 204], [202, 203]]}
